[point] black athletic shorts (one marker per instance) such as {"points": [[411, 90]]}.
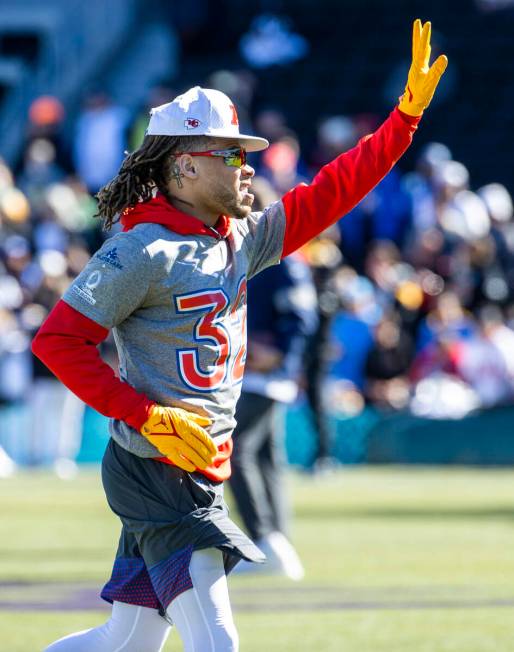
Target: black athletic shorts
{"points": [[166, 514]]}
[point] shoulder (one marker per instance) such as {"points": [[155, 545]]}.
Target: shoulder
{"points": [[148, 250], [121, 250], [159, 245], [148, 234]]}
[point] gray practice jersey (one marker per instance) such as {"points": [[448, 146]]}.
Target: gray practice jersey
{"points": [[177, 307]]}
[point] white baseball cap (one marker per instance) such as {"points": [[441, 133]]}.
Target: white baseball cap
{"points": [[201, 112]]}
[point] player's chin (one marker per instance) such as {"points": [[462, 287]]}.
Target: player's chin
{"points": [[244, 207], [247, 199]]}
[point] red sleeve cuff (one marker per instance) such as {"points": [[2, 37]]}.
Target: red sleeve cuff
{"points": [[140, 414], [413, 120]]}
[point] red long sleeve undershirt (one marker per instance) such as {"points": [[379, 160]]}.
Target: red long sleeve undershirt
{"points": [[67, 343], [341, 184]]}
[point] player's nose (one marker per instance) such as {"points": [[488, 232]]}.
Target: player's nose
{"points": [[247, 171]]}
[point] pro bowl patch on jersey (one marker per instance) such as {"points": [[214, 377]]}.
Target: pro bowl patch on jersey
{"points": [[111, 258], [85, 291]]}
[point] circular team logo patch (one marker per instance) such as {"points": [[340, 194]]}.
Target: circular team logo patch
{"points": [[93, 280]]}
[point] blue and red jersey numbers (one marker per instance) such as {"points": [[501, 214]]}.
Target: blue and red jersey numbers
{"points": [[222, 324]]}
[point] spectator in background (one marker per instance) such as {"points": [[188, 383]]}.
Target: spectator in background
{"points": [[279, 164], [100, 140], [388, 363], [500, 284], [390, 210], [499, 335], [456, 373], [461, 212], [420, 186], [481, 364], [271, 123], [335, 135], [46, 119], [39, 170], [281, 317], [43, 240], [56, 414], [447, 320], [351, 329], [324, 258], [384, 268], [15, 367]]}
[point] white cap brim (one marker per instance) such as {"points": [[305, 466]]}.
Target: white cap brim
{"points": [[249, 143]]}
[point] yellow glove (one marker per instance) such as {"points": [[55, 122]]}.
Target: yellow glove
{"points": [[422, 79], [180, 437]]}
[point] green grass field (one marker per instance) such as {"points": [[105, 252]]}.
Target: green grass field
{"points": [[397, 560]]}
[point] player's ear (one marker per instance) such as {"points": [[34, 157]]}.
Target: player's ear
{"points": [[188, 166]]}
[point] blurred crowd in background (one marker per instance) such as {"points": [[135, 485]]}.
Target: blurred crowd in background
{"points": [[415, 287]]}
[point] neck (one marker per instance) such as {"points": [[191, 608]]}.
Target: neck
{"points": [[189, 207]]}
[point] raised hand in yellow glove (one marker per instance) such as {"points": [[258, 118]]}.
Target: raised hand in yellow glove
{"points": [[179, 436], [422, 79]]}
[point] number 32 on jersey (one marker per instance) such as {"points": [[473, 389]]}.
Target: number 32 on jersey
{"points": [[216, 327]]}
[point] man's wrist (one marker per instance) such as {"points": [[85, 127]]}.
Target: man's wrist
{"points": [[409, 119], [140, 414]]}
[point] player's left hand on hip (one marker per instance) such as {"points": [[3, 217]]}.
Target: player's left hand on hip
{"points": [[423, 79], [179, 435]]}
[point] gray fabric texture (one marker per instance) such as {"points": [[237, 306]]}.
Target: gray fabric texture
{"points": [[144, 283]]}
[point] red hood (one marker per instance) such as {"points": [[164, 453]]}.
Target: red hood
{"points": [[159, 211]]}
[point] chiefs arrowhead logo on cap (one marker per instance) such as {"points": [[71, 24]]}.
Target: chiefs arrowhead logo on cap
{"points": [[191, 123]]}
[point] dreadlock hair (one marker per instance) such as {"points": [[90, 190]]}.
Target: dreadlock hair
{"points": [[148, 168]]}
